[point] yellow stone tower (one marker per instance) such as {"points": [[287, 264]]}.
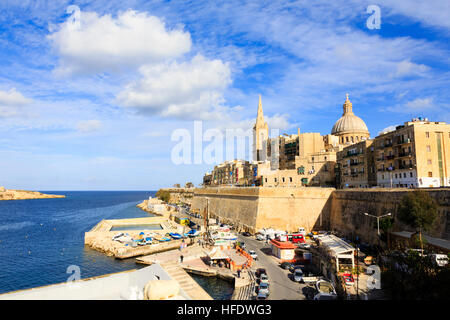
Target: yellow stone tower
{"points": [[260, 135]]}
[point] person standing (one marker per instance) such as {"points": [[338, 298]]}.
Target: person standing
{"points": [[239, 273]]}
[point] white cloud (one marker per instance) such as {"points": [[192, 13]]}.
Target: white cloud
{"points": [[387, 129], [187, 90], [88, 126], [420, 104], [433, 13], [408, 68], [11, 101], [89, 43]]}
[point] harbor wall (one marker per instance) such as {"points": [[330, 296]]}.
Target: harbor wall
{"points": [[252, 209], [348, 208]]}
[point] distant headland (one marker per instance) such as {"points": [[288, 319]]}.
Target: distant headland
{"points": [[6, 194]]}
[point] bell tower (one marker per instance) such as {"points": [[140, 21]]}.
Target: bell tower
{"points": [[260, 135]]}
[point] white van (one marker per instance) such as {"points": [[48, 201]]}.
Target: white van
{"points": [[302, 231]]}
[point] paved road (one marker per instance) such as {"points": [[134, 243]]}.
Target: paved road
{"points": [[280, 283]]}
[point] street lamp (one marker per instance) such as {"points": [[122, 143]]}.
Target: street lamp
{"points": [[378, 219]]}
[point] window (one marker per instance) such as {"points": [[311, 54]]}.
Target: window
{"points": [[427, 134], [428, 148], [312, 159], [265, 179], [290, 179], [352, 139], [430, 174], [346, 139], [411, 174], [429, 161], [283, 179], [404, 174], [395, 176], [325, 158], [275, 179]]}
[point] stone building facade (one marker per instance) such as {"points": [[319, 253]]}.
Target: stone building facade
{"points": [[355, 166], [414, 155]]}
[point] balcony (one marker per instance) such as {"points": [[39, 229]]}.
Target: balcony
{"points": [[351, 154], [390, 157], [403, 141], [405, 154], [385, 145], [405, 166]]}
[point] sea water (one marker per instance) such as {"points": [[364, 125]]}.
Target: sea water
{"points": [[42, 240]]}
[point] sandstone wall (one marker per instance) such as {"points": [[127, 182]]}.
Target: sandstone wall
{"points": [[177, 195], [238, 206], [256, 208], [348, 208], [312, 208]]}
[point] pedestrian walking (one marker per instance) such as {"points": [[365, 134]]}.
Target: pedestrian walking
{"points": [[239, 273]]}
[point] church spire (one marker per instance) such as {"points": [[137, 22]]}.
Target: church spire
{"points": [[260, 115], [348, 108]]}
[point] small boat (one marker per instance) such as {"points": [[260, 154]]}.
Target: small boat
{"points": [[192, 233], [175, 235], [161, 238]]}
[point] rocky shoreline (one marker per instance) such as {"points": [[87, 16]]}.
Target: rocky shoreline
{"points": [[6, 194]]}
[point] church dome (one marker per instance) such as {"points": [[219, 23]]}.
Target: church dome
{"points": [[349, 123]]}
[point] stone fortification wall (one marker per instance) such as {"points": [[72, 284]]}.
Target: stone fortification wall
{"points": [[178, 195], [348, 208], [253, 208]]}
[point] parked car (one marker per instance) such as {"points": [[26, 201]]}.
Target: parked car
{"points": [[440, 260], [260, 271], [298, 275], [263, 288], [263, 279], [253, 254], [246, 234], [286, 265], [260, 237], [304, 245], [262, 296], [242, 245], [348, 279], [294, 267]]}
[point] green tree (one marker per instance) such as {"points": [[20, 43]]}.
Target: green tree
{"points": [[163, 195], [418, 210]]}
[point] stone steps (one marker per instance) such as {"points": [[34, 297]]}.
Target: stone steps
{"points": [[189, 285]]}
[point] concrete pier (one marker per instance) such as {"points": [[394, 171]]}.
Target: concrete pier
{"points": [[100, 237]]}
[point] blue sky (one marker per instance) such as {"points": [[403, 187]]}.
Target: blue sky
{"points": [[89, 99]]}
